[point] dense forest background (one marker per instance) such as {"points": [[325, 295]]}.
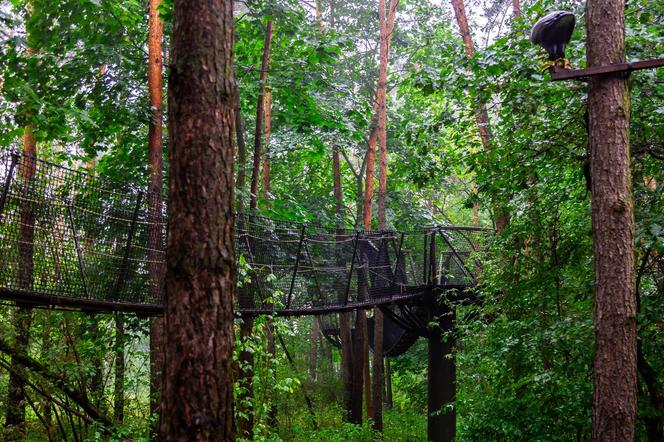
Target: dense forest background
{"points": [[75, 72]]}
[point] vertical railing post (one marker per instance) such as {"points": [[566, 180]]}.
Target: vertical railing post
{"points": [[397, 262], [425, 261], [5, 189], [352, 265], [432, 259], [122, 274], [297, 265], [81, 268]]}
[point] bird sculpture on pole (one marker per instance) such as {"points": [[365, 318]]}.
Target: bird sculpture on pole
{"points": [[553, 32]]}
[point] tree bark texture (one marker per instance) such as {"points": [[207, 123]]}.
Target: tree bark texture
{"points": [[197, 397], [155, 202], [267, 131], [615, 365]]}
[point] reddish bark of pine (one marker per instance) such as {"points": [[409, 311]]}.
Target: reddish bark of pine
{"points": [[615, 381], [386, 30], [197, 396], [155, 186]]}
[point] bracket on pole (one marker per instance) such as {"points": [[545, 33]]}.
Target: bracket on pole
{"points": [[558, 74]]}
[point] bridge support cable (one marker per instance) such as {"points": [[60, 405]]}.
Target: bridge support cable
{"points": [[296, 266]]}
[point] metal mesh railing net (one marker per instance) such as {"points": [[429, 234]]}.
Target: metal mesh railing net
{"points": [[69, 234]]}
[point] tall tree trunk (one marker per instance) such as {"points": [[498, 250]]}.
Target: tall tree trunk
{"points": [[241, 174], [388, 384], [22, 316], [246, 425], [155, 186], [386, 20], [516, 8], [615, 383], [259, 116], [118, 385], [267, 132], [313, 347], [197, 397], [345, 317], [96, 385], [481, 115]]}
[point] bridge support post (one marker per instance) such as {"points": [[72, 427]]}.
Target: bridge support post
{"points": [[441, 423]]}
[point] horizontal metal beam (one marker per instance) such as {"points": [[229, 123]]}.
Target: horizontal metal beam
{"points": [[41, 299], [558, 74]]}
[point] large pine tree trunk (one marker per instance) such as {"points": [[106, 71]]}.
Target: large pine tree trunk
{"points": [[197, 396], [614, 399], [155, 186]]}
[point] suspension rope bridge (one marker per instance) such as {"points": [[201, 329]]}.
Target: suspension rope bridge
{"points": [[69, 239]]}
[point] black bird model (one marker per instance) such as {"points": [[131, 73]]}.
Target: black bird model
{"points": [[553, 32]]}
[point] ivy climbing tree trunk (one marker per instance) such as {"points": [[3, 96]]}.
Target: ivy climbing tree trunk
{"points": [[155, 186], [197, 397], [615, 388]]}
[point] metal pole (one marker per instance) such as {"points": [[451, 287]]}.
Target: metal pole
{"points": [[122, 274], [297, 265], [352, 265], [10, 174], [441, 425], [397, 262], [432, 258], [81, 267]]}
